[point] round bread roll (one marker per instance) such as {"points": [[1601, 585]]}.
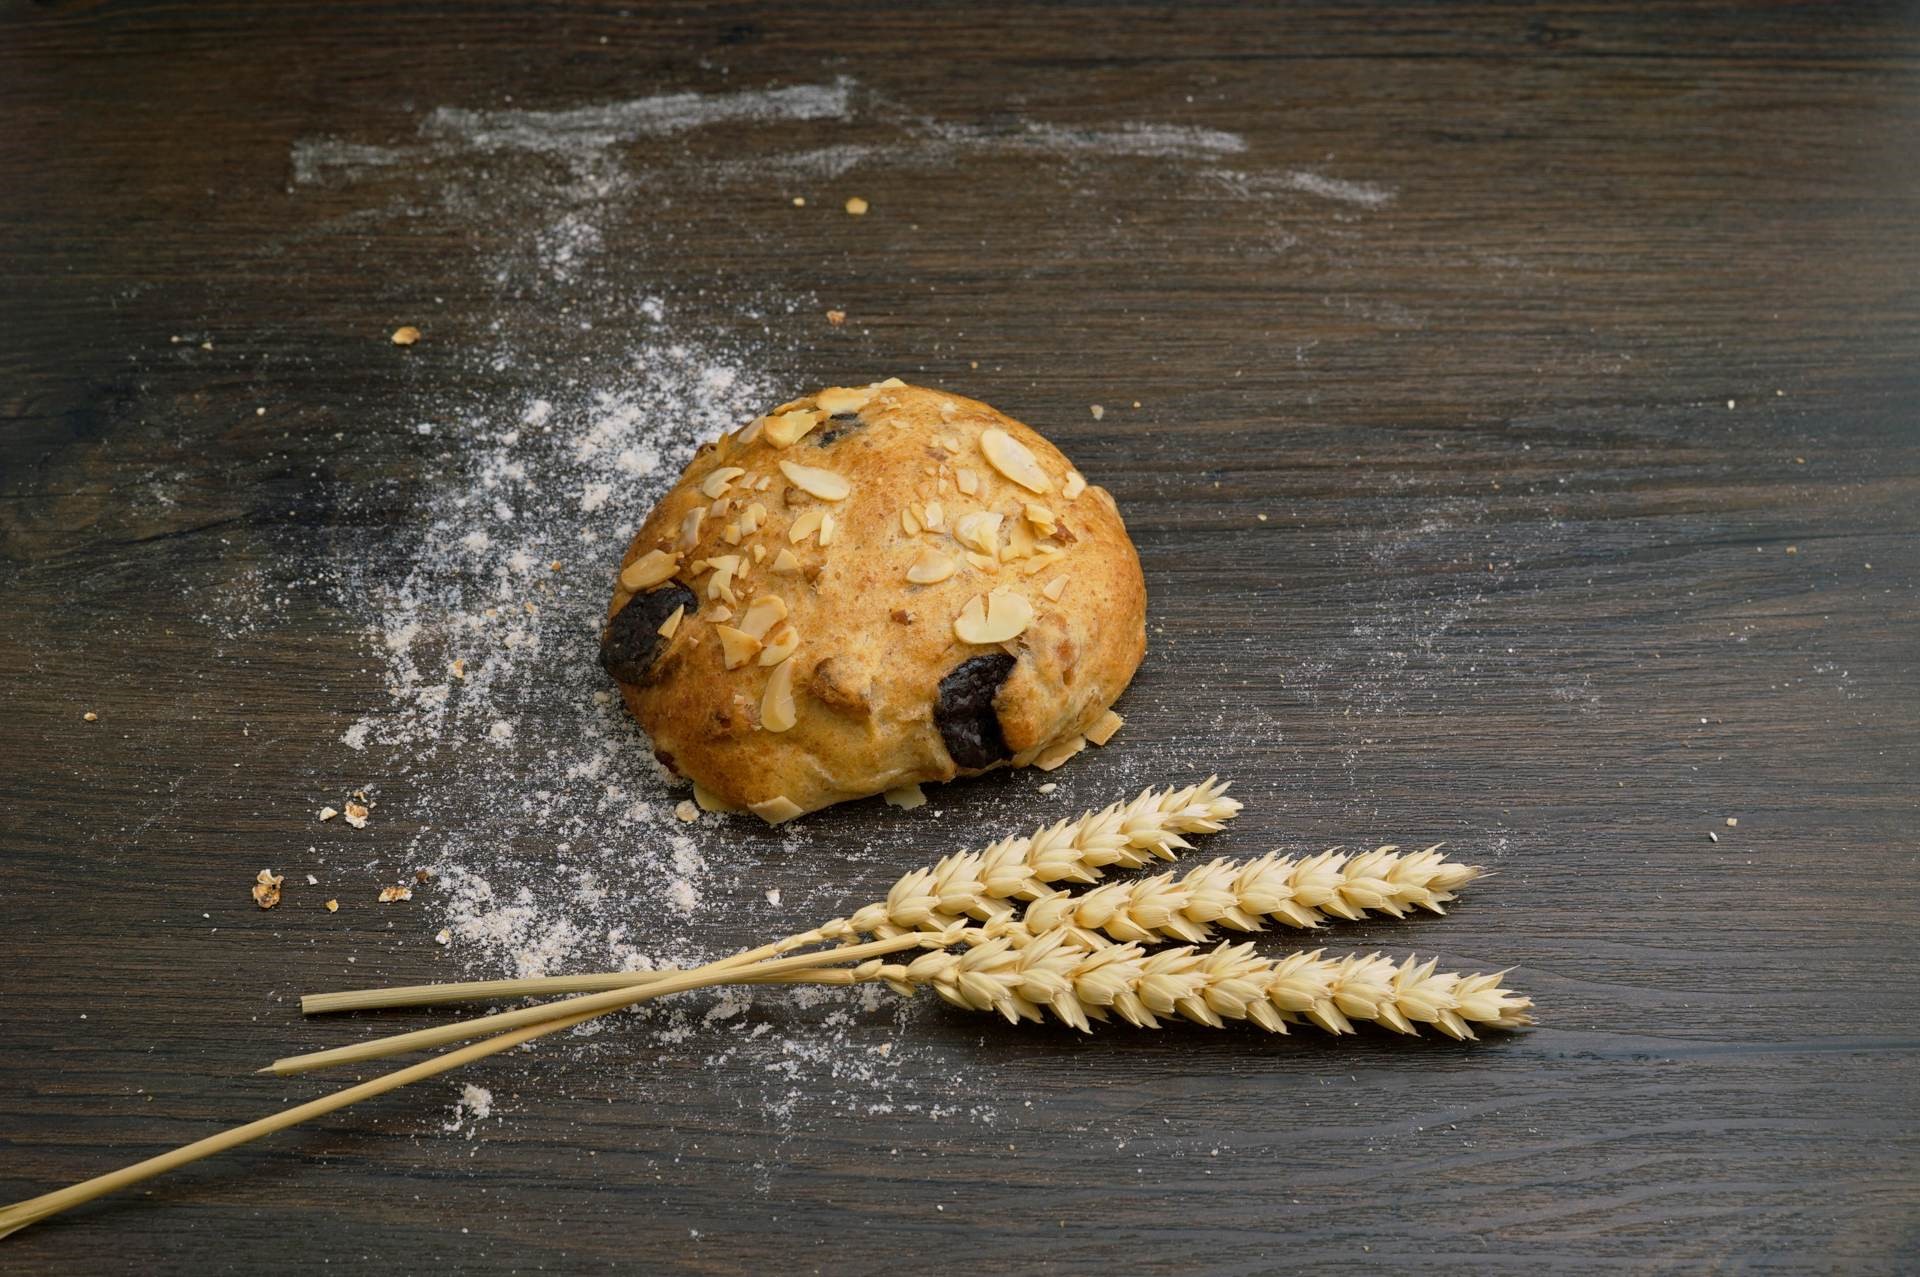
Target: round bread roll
{"points": [[868, 589]]}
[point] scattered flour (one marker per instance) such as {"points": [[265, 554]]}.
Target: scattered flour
{"points": [[547, 825], [474, 1106]]}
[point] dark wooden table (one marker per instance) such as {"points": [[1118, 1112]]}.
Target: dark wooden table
{"points": [[1525, 456]]}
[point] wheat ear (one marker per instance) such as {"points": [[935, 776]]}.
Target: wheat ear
{"points": [[1240, 895], [986, 884], [971, 884], [1054, 971]]}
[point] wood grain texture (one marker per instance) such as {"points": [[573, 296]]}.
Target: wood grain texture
{"points": [[1612, 305]]}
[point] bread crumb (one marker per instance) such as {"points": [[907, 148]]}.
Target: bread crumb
{"points": [[328, 813], [1049, 787], [857, 206], [1098, 412], [90, 717], [773, 895], [266, 888], [357, 814], [406, 335], [333, 906], [799, 201], [836, 317], [443, 937], [390, 894], [686, 811], [1732, 821]]}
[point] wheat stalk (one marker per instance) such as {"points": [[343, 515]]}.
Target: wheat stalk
{"points": [[1239, 895], [20, 1214], [971, 884], [1080, 984]]}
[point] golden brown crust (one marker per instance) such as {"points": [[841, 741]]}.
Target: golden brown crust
{"points": [[742, 530]]}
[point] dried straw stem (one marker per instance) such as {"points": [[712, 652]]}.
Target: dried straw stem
{"points": [[776, 970], [17, 1216], [971, 884]]}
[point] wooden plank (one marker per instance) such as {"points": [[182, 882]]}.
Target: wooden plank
{"points": [[1539, 336]]}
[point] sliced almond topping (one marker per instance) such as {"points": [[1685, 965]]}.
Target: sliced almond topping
{"points": [[980, 531], [790, 427], [717, 483], [984, 562], [1055, 588], [752, 431], [672, 623], [1074, 485], [1020, 543], [737, 647], [824, 484], [754, 518], [930, 567], [838, 399], [651, 568], [827, 526], [720, 584], [776, 703], [908, 523], [891, 383], [1054, 755], [1102, 732], [806, 524], [719, 615], [786, 561], [759, 553], [1042, 559], [1013, 459], [776, 810], [995, 618], [949, 410], [720, 508], [906, 797], [1044, 521], [690, 528], [951, 443], [731, 533], [762, 614], [967, 481], [780, 646], [932, 515], [707, 800], [765, 482]]}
